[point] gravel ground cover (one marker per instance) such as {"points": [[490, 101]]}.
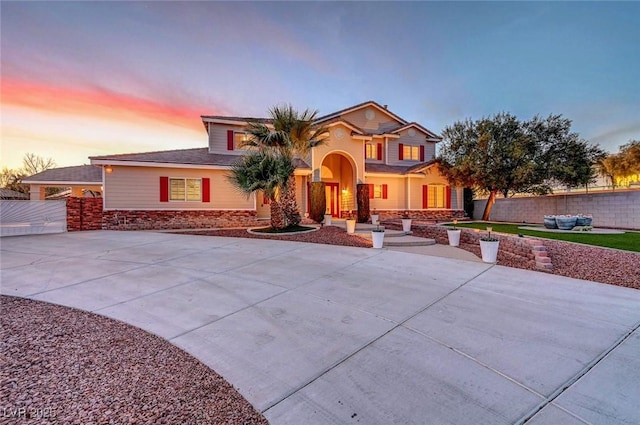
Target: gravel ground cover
{"points": [[66, 366], [330, 235]]}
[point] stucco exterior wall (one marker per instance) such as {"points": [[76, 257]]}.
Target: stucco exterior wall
{"points": [[396, 193], [619, 209], [138, 188], [343, 145]]}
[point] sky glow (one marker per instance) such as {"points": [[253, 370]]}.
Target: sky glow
{"points": [[93, 78]]}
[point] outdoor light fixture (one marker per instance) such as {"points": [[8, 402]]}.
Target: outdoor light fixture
{"points": [[108, 169]]}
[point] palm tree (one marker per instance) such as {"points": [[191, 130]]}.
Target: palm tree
{"points": [[267, 172], [293, 135]]}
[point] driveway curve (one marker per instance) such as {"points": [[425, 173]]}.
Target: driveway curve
{"points": [[320, 334]]}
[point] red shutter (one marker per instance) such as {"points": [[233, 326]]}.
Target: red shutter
{"points": [[400, 151], [384, 191], [371, 191], [229, 140], [379, 151], [164, 189], [365, 151], [206, 189], [447, 193], [425, 196], [421, 153]]}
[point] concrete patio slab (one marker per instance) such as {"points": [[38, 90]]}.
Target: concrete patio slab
{"points": [[327, 334], [271, 350], [552, 415], [540, 346], [95, 294], [404, 378], [183, 308], [610, 392]]}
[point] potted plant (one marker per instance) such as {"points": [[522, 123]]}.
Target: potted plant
{"points": [[351, 224], [327, 219], [454, 234], [406, 222], [374, 217], [489, 247], [377, 236]]}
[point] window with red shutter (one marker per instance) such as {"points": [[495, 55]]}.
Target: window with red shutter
{"points": [[447, 193], [379, 151], [421, 153], [371, 191], [400, 151], [385, 191]]}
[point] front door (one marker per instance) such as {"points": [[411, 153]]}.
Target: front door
{"points": [[333, 198]]}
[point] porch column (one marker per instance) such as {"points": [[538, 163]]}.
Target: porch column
{"points": [[36, 192]]}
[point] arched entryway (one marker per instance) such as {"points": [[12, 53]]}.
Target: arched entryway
{"points": [[339, 174]]}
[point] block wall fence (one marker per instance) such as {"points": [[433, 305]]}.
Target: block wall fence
{"points": [[618, 209]]}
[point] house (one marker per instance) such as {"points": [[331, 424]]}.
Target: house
{"points": [[367, 144], [79, 180]]}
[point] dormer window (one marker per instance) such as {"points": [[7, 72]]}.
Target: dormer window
{"points": [[410, 152], [239, 138]]}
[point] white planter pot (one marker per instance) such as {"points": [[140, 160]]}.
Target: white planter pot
{"points": [[454, 237], [351, 226], [374, 218], [489, 251], [406, 225], [378, 239], [327, 219]]}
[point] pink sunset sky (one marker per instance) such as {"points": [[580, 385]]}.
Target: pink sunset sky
{"points": [[91, 78]]}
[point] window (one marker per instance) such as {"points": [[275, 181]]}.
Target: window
{"points": [[239, 137], [370, 151], [181, 189], [411, 152], [436, 197], [378, 191]]}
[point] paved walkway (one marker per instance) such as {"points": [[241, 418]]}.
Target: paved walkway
{"points": [[316, 334]]}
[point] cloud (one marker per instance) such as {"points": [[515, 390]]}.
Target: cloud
{"points": [[96, 102]]}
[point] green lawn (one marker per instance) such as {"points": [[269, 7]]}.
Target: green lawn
{"points": [[629, 241]]}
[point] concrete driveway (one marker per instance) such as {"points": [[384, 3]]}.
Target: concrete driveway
{"points": [[316, 334]]}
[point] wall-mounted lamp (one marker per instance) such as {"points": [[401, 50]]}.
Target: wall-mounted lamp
{"points": [[108, 169]]}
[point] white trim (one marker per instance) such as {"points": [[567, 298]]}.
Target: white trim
{"points": [[389, 175], [62, 182], [158, 164], [361, 137], [408, 192], [346, 124], [230, 122]]}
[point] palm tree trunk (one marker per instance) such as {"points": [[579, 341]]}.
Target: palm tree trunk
{"points": [[289, 203], [278, 220]]}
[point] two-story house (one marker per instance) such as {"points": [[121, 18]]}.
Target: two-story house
{"points": [[367, 144]]}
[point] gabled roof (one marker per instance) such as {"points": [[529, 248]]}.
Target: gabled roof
{"points": [[397, 169], [435, 138], [376, 105], [346, 123], [196, 156], [77, 174]]}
